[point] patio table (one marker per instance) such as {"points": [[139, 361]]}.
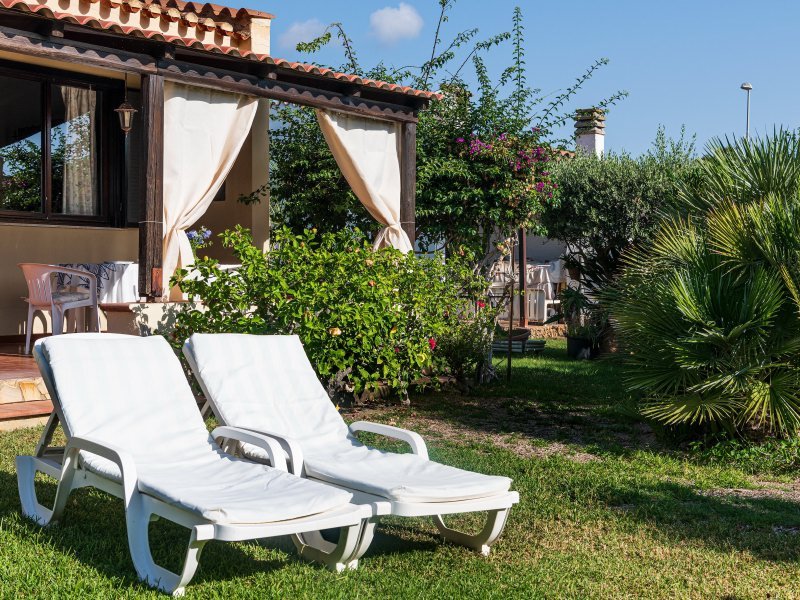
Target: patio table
{"points": [[117, 281]]}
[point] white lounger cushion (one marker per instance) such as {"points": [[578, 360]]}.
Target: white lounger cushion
{"points": [[399, 477], [135, 397], [267, 383]]}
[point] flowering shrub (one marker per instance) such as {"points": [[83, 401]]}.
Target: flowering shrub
{"points": [[479, 182], [463, 347], [199, 238], [365, 318], [526, 161]]}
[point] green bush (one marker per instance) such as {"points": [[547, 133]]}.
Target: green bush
{"points": [[773, 456], [366, 318]]}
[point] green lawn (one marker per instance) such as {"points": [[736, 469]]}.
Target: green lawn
{"points": [[607, 511]]}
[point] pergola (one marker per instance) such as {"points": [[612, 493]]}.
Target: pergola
{"points": [[65, 37]]}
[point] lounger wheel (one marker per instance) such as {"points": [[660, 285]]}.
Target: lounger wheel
{"points": [[495, 522], [336, 557]]}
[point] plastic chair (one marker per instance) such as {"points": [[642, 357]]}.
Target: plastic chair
{"points": [[42, 297]]}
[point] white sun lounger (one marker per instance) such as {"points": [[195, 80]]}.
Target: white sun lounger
{"points": [[134, 431], [267, 384]]}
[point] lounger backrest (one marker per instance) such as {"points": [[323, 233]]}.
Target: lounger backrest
{"points": [[127, 391], [265, 382]]}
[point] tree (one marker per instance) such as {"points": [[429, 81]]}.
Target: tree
{"points": [[608, 204], [481, 154]]}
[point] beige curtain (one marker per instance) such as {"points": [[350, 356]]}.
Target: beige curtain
{"points": [[204, 130], [79, 164], [368, 154]]}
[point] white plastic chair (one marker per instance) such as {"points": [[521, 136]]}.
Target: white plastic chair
{"points": [[267, 384], [41, 296], [133, 430]]}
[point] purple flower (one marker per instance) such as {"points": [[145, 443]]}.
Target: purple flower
{"points": [[540, 186], [459, 140]]}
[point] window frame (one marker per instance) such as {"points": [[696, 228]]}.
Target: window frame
{"points": [[110, 151]]}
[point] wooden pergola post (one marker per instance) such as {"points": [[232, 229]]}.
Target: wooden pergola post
{"points": [[408, 179], [523, 279], [151, 225]]}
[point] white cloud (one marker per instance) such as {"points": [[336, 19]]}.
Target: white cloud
{"points": [[301, 31], [391, 25]]}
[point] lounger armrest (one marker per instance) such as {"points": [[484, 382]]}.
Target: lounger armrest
{"points": [[290, 447], [118, 456], [246, 436], [412, 438]]}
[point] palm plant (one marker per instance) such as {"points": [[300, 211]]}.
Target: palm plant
{"points": [[744, 170], [709, 311]]}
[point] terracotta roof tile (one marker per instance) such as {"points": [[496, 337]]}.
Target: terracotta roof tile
{"points": [[202, 16]]}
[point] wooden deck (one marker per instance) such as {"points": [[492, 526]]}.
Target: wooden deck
{"points": [[23, 397]]}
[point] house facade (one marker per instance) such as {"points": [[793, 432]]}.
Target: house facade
{"points": [[76, 189]]}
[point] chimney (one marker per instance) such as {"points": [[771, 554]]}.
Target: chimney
{"points": [[590, 130], [257, 41]]}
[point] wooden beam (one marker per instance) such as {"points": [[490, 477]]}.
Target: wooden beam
{"points": [[283, 91], [151, 226], [33, 44], [276, 84], [408, 179]]}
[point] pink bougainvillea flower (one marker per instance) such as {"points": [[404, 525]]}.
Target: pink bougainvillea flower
{"points": [[432, 343]]}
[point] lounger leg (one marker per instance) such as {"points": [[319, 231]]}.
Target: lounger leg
{"points": [[364, 541], [481, 542], [26, 472], [138, 520], [337, 557]]}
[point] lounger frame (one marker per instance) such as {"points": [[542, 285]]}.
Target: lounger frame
{"points": [[497, 506]]}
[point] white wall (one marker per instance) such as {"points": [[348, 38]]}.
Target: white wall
{"points": [[542, 249]]}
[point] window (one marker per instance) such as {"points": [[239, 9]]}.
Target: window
{"points": [[58, 163]]}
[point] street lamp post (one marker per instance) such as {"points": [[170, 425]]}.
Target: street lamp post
{"points": [[747, 88]]}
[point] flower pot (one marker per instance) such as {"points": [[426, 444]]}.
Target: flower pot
{"points": [[578, 347]]}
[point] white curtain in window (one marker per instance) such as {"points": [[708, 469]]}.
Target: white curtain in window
{"points": [[368, 154], [79, 152], [204, 130]]}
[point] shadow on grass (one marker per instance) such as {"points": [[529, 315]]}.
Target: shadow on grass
{"points": [[93, 530], [766, 527], [552, 399]]}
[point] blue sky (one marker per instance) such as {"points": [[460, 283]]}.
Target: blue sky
{"points": [[681, 61]]}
